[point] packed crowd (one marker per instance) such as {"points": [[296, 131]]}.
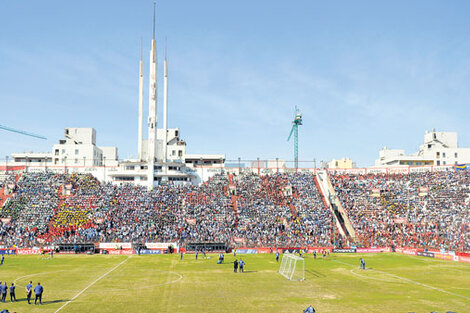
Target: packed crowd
{"points": [[278, 210], [429, 209], [283, 209]]}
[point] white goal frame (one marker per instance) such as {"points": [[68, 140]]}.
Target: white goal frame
{"points": [[290, 267]]}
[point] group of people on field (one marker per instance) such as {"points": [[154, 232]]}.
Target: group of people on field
{"points": [[38, 291]]}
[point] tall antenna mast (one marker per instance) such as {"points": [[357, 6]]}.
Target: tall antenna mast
{"points": [[152, 120]]}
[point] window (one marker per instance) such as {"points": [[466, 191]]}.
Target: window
{"points": [[173, 152], [56, 152], [418, 163], [437, 155], [429, 146], [76, 161], [443, 154], [76, 151], [456, 155], [443, 162], [63, 151], [438, 162], [180, 153]]}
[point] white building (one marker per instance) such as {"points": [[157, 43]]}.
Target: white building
{"points": [[439, 148], [341, 163], [78, 149]]}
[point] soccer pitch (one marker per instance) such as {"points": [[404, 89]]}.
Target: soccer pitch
{"points": [[164, 283]]}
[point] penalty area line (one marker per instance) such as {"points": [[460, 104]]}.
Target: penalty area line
{"points": [[91, 284], [411, 281]]}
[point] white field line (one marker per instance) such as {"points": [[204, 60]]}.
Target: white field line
{"points": [[36, 274], [413, 282], [375, 278], [94, 282], [180, 277]]}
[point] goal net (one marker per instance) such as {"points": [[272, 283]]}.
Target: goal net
{"points": [[292, 267]]}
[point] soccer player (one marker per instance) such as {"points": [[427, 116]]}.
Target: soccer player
{"points": [[38, 290], [363, 264], [181, 255], [310, 309], [29, 291], [197, 253], [314, 254], [3, 259], [12, 292], [235, 265], [234, 252], [277, 256], [4, 291]]}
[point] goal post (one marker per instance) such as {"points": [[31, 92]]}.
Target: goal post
{"points": [[292, 267]]}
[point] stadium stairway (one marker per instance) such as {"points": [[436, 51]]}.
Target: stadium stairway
{"points": [[4, 197], [330, 199], [233, 195]]}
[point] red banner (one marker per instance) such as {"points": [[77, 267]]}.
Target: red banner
{"points": [[121, 252], [28, 251], [400, 220]]}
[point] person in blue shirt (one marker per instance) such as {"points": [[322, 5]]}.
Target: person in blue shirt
{"points": [[12, 292], [3, 259], [363, 264], [181, 255], [277, 256], [240, 265], [314, 254], [310, 309], [197, 253], [29, 291], [38, 290], [4, 291]]}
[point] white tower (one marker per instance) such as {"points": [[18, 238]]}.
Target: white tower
{"points": [[141, 105], [165, 115], [152, 121]]}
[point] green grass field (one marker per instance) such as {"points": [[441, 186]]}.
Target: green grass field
{"points": [[163, 283]]}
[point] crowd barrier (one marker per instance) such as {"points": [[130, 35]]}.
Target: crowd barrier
{"points": [[427, 253]]}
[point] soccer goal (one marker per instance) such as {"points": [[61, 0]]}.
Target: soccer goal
{"points": [[292, 267]]}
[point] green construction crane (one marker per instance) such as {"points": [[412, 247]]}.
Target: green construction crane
{"points": [[295, 129]]}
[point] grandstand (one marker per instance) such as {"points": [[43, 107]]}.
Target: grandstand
{"points": [[420, 210]]}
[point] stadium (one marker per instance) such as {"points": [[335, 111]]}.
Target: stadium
{"points": [[170, 231]]}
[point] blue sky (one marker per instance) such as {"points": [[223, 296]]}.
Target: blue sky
{"points": [[365, 74]]}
